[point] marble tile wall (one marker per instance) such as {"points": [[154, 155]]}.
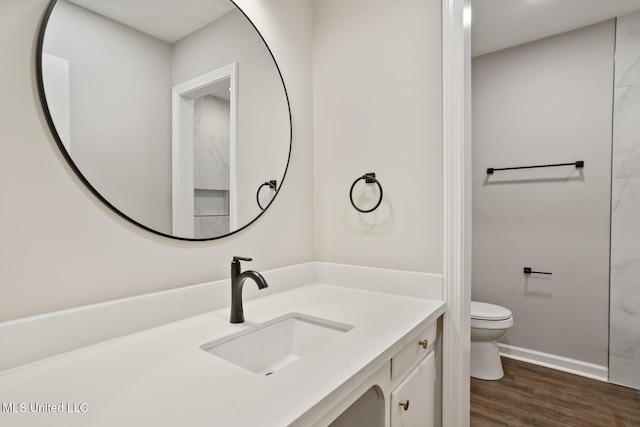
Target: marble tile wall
{"points": [[211, 143], [211, 162], [208, 226], [211, 166], [211, 203], [624, 340], [211, 213]]}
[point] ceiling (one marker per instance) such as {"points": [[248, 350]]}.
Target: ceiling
{"points": [[168, 20], [496, 24], [499, 24]]}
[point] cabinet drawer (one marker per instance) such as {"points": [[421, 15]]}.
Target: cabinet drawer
{"points": [[412, 402], [413, 352]]}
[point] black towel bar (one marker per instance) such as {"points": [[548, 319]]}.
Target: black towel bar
{"points": [[578, 164]]}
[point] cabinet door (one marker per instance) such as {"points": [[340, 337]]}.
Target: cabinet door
{"points": [[412, 401]]}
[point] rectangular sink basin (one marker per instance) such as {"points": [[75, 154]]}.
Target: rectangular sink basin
{"points": [[270, 346]]}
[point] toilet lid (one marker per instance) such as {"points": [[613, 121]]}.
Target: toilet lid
{"points": [[484, 311]]}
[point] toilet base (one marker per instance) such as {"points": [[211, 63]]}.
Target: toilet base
{"points": [[485, 360]]}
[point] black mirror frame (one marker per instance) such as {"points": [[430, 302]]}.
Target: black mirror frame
{"points": [[85, 181]]}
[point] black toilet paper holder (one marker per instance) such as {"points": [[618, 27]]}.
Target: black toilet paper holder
{"points": [[528, 270]]}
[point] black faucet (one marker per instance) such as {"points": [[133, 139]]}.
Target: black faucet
{"points": [[237, 280]]}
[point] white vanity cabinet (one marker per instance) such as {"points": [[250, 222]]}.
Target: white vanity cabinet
{"points": [[400, 394], [413, 375], [354, 380]]}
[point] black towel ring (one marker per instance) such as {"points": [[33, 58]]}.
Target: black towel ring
{"points": [[271, 184], [369, 178]]}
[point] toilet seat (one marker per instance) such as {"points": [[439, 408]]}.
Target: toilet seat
{"points": [[491, 312], [492, 324]]}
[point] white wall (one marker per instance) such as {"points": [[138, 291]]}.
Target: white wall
{"points": [[378, 108], [263, 117], [378, 103], [548, 101], [121, 109], [62, 248]]}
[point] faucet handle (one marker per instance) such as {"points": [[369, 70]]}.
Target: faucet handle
{"points": [[240, 258]]}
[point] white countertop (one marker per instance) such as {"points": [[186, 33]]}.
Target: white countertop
{"points": [[161, 377]]}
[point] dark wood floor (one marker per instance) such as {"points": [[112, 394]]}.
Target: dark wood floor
{"points": [[530, 395]]}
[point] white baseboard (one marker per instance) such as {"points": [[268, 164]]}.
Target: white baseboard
{"points": [[564, 364]]}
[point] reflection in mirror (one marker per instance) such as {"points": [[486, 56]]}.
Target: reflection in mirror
{"points": [[174, 113]]}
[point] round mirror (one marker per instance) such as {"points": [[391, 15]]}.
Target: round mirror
{"points": [[174, 113]]}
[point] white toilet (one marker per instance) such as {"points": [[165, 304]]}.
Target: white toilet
{"points": [[489, 323]]}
